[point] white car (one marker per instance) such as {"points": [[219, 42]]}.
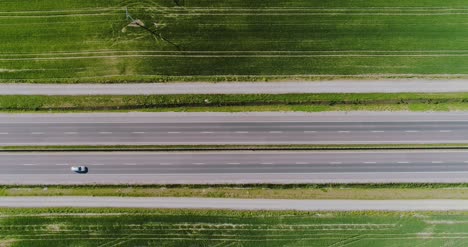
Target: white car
{"points": [[79, 169]]}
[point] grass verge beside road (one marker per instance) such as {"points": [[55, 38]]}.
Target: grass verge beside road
{"points": [[177, 148], [254, 191], [169, 227], [239, 103]]}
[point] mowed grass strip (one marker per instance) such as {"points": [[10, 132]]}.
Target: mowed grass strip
{"points": [[237, 103], [190, 40], [254, 191], [194, 148], [137, 227]]}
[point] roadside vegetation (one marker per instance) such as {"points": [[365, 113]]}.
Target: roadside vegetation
{"points": [[254, 191], [170, 227], [107, 41], [238, 103], [177, 148]]}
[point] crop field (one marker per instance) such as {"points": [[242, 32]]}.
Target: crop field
{"points": [[133, 227], [185, 40]]}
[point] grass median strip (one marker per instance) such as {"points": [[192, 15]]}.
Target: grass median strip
{"points": [[239, 103], [170, 227], [177, 148], [253, 191]]}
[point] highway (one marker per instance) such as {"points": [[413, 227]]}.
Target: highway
{"points": [[232, 204], [280, 87], [234, 167], [200, 128]]}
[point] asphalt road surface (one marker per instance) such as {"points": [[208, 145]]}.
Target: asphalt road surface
{"points": [[339, 86], [235, 167], [234, 204], [267, 128]]}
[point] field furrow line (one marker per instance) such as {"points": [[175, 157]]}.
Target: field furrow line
{"points": [[323, 8], [241, 14], [247, 52], [304, 13], [54, 16], [55, 23], [227, 56]]}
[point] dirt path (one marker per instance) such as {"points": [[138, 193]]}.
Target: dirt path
{"points": [[235, 204], [284, 87]]}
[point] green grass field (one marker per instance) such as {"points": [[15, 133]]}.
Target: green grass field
{"points": [[131, 227], [89, 40]]}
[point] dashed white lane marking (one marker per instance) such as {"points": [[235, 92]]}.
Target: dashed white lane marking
{"points": [[105, 133], [198, 163], [276, 132], [344, 131], [138, 132], [207, 132], [377, 131], [370, 162], [466, 161], [97, 164], [411, 131], [242, 132], [310, 131], [37, 133], [437, 162], [445, 131], [173, 132], [130, 164], [70, 133], [233, 163], [29, 164], [61, 164], [403, 162], [3, 133], [336, 163], [267, 163]]}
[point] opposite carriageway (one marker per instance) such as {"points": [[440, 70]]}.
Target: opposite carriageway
{"points": [[259, 128]]}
